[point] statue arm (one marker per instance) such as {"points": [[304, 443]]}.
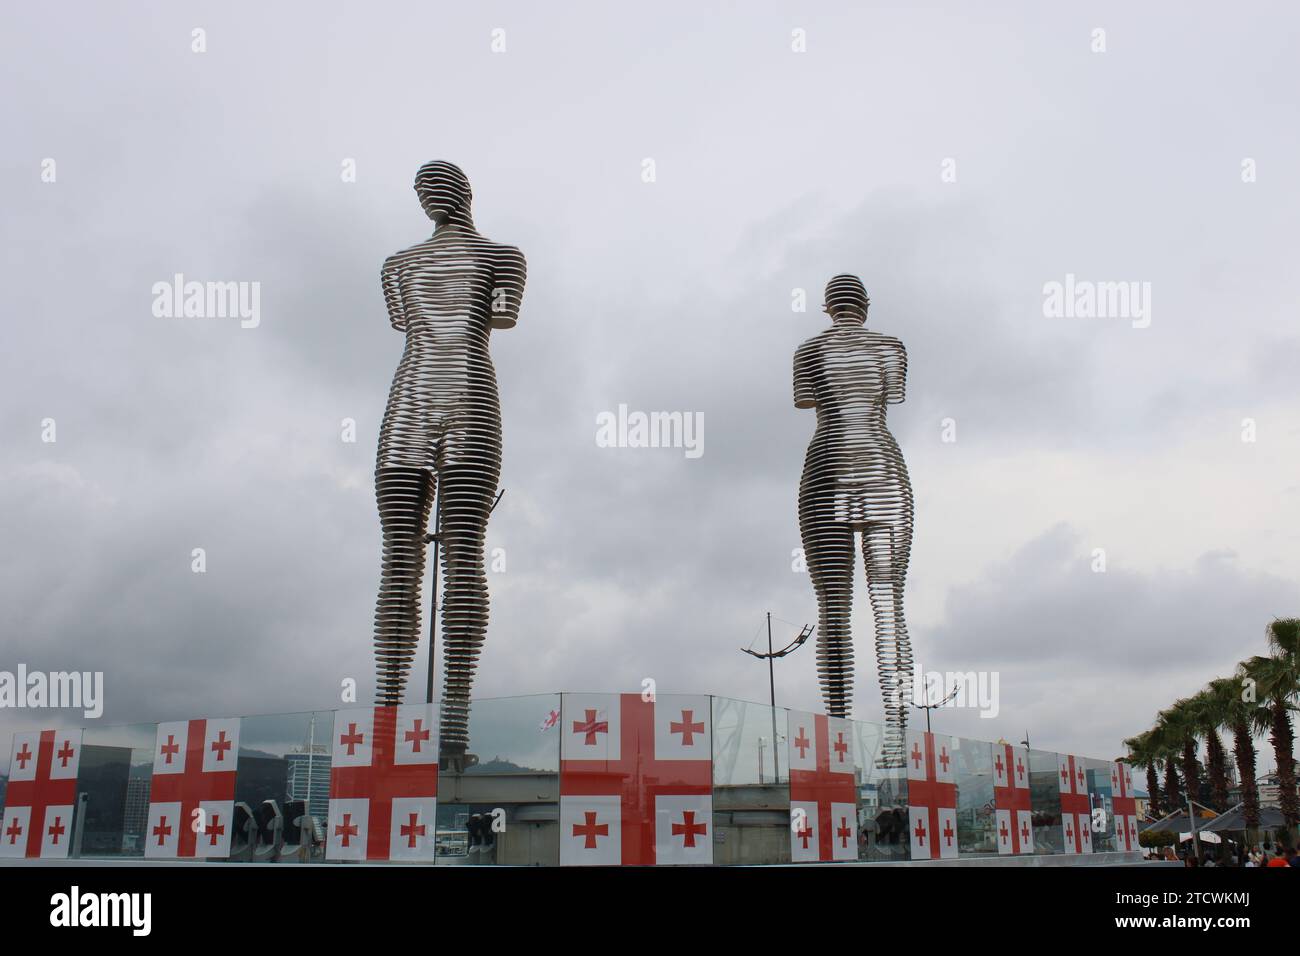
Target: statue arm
{"points": [[509, 276], [393, 295], [896, 376], [803, 390]]}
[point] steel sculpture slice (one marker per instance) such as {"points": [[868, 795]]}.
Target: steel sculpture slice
{"points": [[441, 434], [855, 481]]}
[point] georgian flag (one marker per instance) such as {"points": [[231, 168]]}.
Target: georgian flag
{"points": [[41, 794], [636, 780], [823, 792], [1123, 807], [1013, 826], [383, 784], [931, 796], [1076, 806], [192, 794]]}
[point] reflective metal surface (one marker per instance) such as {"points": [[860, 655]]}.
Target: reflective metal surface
{"points": [[441, 434], [855, 481]]}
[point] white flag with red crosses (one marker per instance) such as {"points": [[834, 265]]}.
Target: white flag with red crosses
{"points": [[41, 794], [931, 796], [384, 784], [1013, 816], [636, 780], [192, 794], [1123, 806], [1076, 806], [823, 788]]}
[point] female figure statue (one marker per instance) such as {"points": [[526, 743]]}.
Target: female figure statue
{"points": [[855, 481]]}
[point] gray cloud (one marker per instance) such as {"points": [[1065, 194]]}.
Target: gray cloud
{"points": [[775, 172]]}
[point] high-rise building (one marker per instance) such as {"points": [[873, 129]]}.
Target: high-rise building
{"points": [[136, 817], [309, 779]]}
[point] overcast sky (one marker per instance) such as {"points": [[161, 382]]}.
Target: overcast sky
{"points": [[775, 170]]}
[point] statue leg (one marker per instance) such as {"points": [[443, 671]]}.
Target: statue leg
{"points": [[468, 490], [886, 549], [828, 552], [405, 496]]}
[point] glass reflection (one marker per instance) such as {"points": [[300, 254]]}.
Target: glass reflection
{"points": [[751, 796], [113, 781], [504, 809], [282, 788], [1101, 802], [976, 809], [882, 799], [1045, 798]]}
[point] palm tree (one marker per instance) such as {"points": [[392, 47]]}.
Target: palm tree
{"points": [[1284, 640], [1142, 753], [1179, 733], [1273, 684], [1277, 683], [1237, 716], [1205, 715], [1165, 746]]}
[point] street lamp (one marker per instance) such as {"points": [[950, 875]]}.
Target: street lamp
{"points": [[771, 657]]}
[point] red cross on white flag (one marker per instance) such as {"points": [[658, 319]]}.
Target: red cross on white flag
{"points": [[42, 791], [192, 794], [823, 788], [931, 796], [591, 830], [1123, 806], [1076, 808], [384, 784], [1013, 817], [636, 780]]}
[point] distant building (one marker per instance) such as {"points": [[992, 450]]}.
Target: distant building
{"points": [[1269, 791], [309, 780], [103, 776], [869, 798], [262, 776], [136, 818]]}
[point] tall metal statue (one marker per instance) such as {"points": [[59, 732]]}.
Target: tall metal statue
{"points": [[855, 481], [441, 435]]}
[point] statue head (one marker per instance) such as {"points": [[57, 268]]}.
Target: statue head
{"points": [[846, 295], [444, 192]]}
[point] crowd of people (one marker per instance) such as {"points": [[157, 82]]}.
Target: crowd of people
{"points": [[1226, 855]]}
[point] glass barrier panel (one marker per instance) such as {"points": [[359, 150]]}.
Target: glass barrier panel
{"points": [[504, 808], [567, 779], [282, 788], [1045, 795], [1100, 776], [751, 794], [882, 798], [113, 785], [976, 807]]}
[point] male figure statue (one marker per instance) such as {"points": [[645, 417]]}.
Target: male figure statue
{"points": [[441, 435]]}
